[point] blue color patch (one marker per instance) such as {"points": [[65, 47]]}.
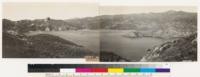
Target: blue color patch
{"points": [[147, 70]]}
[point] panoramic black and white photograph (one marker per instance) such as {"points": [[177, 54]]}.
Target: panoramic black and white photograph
{"points": [[148, 33], [97, 32]]}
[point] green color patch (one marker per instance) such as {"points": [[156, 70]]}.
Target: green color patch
{"points": [[131, 70]]}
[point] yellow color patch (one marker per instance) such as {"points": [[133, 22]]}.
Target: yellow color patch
{"points": [[115, 70]]}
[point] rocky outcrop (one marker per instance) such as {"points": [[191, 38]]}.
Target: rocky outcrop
{"points": [[133, 34], [182, 49]]}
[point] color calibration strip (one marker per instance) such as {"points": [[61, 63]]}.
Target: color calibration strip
{"points": [[102, 68], [115, 70]]}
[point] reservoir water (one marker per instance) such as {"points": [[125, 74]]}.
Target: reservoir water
{"points": [[109, 40], [130, 48]]}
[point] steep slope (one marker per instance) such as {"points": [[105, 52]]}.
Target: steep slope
{"points": [[182, 49], [41, 46], [15, 46]]}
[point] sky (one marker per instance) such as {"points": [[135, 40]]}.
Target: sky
{"points": [[18, 11], [113, 10]]}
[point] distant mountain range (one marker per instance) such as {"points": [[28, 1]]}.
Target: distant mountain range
{"points": [[165, 22]]}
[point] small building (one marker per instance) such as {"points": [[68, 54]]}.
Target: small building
{"points": [[47, 29]]}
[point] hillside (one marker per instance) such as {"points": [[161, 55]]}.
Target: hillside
{"points": [[41, 46], [182, 49], [15, 46]]}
